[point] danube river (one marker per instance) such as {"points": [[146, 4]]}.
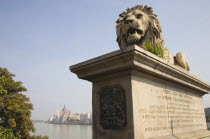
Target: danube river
{"points": [[61, 131]]}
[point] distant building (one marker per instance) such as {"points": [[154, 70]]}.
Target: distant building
{"points": [[86, 118], [66, 117], [74, 117]]}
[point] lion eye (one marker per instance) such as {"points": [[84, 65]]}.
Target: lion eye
{"points": [[138, 16]]}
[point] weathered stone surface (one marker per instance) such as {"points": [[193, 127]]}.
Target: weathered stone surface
{"points": [[165, 108], [99, 132], [162, 99]]}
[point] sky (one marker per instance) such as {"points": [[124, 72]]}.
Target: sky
{"points": [[40, 39]]}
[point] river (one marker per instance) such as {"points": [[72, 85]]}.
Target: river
{"points": [[61, 131]]}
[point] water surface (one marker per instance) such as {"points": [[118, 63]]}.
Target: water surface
{"points": [[60, 131]]}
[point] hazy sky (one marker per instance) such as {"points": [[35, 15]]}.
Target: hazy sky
{"points": [[40, 39]]}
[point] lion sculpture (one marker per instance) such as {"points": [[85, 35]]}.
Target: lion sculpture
{"points": [[139, 25]]}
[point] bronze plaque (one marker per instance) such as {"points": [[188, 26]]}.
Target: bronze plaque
{"points": [[113, 108]]}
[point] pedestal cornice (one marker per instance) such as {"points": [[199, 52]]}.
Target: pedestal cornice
{"points": [[134, 58]]}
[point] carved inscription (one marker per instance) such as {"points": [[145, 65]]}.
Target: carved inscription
{"points": [[113, 108], [179, 112]]}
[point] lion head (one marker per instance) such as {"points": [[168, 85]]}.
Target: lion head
{"points": [[137, 26]]}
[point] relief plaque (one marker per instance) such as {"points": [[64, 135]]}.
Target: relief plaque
{"points": [[113, 108]]}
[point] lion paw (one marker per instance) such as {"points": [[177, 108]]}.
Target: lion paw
{"points": [[182, 61]]}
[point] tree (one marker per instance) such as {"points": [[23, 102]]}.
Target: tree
{"points": [[15, 108], [6, 133]]}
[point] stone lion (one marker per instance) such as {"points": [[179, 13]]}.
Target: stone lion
{"points": [[139, 25]]}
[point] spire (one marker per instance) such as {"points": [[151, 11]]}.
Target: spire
{"points": [[64, 109]]}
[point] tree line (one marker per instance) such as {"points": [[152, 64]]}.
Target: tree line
{"points": [[15, 109]]}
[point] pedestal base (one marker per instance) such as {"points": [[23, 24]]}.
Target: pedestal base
{"points": [[137, 95], [201, 134]]}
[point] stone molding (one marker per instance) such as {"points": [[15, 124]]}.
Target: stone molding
{"points": [[134, 58]]}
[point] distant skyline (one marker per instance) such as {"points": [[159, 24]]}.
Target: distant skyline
{"points": [[40, 39]]}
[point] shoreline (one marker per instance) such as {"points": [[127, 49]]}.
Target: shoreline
{"points": [[73, 123]]}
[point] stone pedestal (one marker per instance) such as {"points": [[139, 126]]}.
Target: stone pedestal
{"points": [[137, 95]]}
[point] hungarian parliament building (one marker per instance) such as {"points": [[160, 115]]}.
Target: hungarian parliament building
{"points": [[66, 117]]}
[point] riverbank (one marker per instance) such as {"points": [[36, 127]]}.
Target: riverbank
{"points": [[70, 123]]}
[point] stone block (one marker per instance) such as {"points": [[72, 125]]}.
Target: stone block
{"points": [[137, 95]]}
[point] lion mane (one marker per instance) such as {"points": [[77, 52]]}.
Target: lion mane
{"points": [[152, 32]]}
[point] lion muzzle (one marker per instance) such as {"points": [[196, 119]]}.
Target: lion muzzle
{"points": [[134, 35]]}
